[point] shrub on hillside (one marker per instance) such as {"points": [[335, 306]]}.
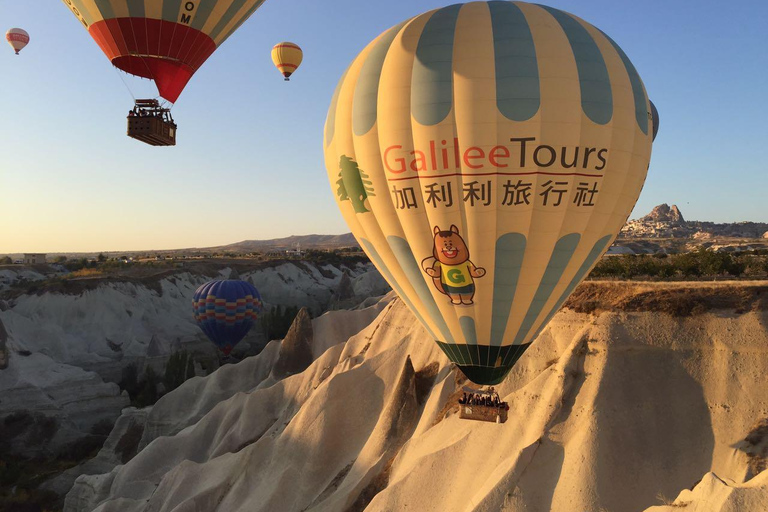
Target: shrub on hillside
{"points": [[276, 322], [700, 263]]}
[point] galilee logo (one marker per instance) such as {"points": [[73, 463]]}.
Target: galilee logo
{"points": [[353, 184], [524, 151], [525, 172]]}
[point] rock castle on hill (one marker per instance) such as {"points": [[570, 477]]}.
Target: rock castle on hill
{"points": [[666, 221]]}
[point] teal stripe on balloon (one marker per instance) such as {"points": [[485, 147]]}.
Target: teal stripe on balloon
{"points": [[136, 9], [561, 256], [466, 357], [510, 250], [404, 255], [467, 324], [593, 255], [105, 8], [432, 82], [171, 10], [202, 14], [243, 19], [228, 16], [366, 100], [371, 251], [596, 95], [330, 124], [641, 109], [518, 95]]}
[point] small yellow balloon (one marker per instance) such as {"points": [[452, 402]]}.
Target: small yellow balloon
{"points": [[485, 155], [287, 58]]}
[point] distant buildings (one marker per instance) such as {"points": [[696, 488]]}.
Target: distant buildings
{"points": [[32, 258]]}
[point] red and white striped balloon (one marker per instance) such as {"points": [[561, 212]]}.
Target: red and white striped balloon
{"points": [[17, 38]]}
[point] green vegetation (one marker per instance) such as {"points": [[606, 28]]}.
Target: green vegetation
{"points": [[276, 322], [179, 368], [20, 477], [335, 257], [148, 394], [6, 261], [700, 264]]}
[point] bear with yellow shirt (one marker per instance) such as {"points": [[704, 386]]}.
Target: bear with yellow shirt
{"points": [[450, 268]]}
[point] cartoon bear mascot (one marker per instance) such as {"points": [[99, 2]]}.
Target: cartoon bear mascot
{"points": [[450, 268]]}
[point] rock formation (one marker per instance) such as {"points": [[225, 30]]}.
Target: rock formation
{"points": [[296, 349], [667, 222], [613, 410], [664, 213], [4, 352]]}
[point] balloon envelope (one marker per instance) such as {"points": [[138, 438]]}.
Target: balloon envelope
{"points": [[17, 38], [287, 57], [654, 120], [485, 155], [226, 311], [164, 40]]}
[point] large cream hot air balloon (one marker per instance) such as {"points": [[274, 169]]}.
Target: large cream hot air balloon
{"points": [[485, 155]]}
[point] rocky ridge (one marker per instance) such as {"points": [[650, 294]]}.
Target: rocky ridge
{"points": [[611, 410]]}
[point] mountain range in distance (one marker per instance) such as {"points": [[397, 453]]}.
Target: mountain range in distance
{"points": [[664, 222]]}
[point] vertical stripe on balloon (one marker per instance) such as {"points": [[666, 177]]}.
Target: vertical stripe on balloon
{"points": [[596, 95], [366, 97], [247, 15], [379, 262], [202, 13], [591, 258], [171, 10], [510, 250], [105, 8], [517, 71], [558, 261], [404, 255], [641, 109], [84, 11], [330, 123], [432, 83], [467, 324], [136, 9], [227, 17]]}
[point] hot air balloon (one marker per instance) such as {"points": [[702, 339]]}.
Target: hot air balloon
{"points": [[164, 40], [17, 38], [485, 155], [225, 310], [654, 120], [287, 58]]}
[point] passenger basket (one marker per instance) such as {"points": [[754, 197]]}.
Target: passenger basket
{"points": [[482, 413], [152, 130], [152, 124]]}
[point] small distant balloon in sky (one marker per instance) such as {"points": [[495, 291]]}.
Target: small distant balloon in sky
{"points": [[17, 38], [287, 58]]}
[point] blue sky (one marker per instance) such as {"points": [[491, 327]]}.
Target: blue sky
{"points": [[249, 162]]}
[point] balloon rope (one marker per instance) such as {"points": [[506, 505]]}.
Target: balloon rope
{"points": [[125, 83], [149, 69]]}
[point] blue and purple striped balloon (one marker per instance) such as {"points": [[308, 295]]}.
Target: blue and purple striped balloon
{"points": [[225, 310]]}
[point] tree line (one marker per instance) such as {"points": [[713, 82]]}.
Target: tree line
{"points": [[702, 263]]}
